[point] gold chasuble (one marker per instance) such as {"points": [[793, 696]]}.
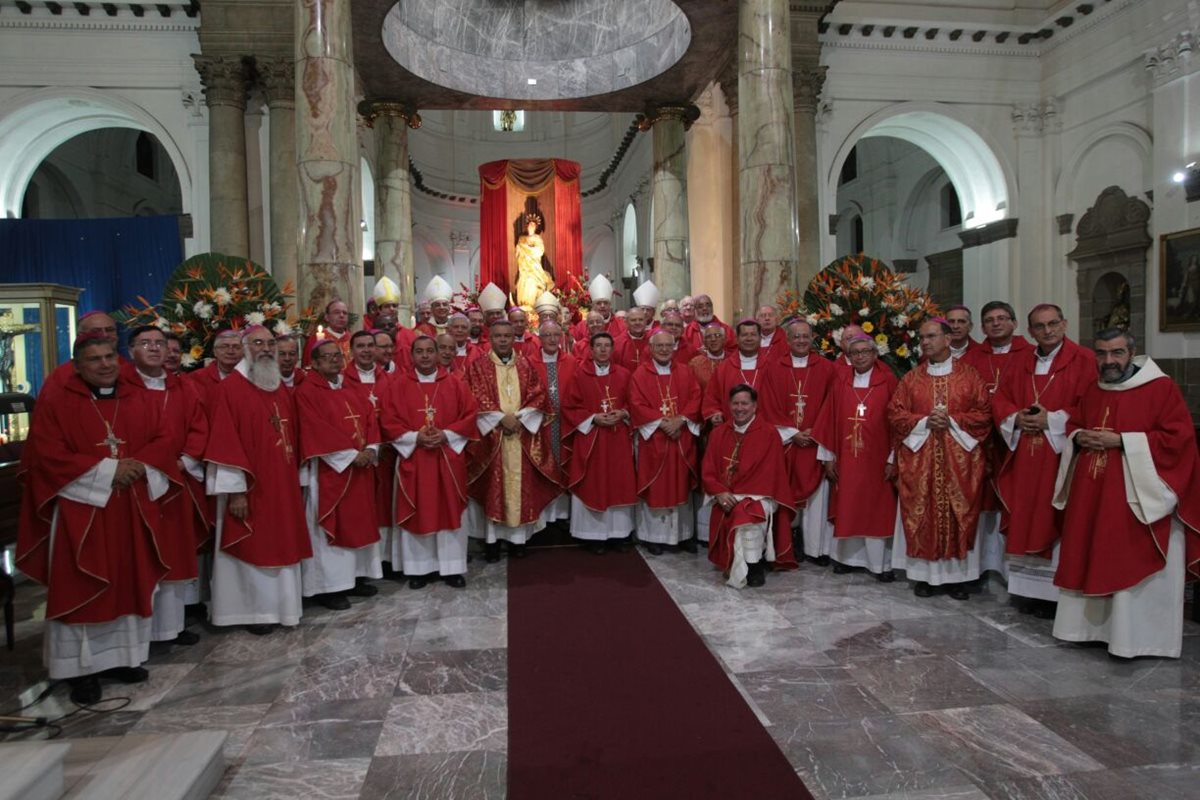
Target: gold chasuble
{"points": [[508, 390]]}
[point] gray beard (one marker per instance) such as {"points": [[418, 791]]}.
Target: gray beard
{"points": [[264, 373]]}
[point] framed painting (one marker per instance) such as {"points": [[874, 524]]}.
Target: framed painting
{"points": [[1179, 281]]}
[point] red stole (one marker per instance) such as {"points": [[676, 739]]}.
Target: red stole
{"points": [[600, 472], [792, 397], [666, 468], [726, 376]]}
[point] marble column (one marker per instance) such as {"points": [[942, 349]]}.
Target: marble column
{"points": [[225, 80], [669, 124], [278, 78], [393, 198], [806, 95], [767, 153], [329, 264]]}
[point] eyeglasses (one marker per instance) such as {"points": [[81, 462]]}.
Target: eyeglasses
{"points": [[336, 355], [228, 347]]}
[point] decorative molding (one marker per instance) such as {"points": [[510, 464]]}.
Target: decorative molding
{"points": [[226, 80], [986, 234], [806, 88], [1115, 223], [833, 223], [192, 99], [1032, 119], [680, 112], [277, 77], [1065, 221], [1171, 60], [372, 110], [460, 240], [170, 17]]}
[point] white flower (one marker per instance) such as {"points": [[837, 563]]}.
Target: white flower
{"points": [[837, 336], [272, 307], [865, 311], [256, 318], [186, 359], [162, 324], [866, 281], [882, 348], [222, 296], [900, 320], [179, 309], [835, 310], [203, 310], [811, 319]]}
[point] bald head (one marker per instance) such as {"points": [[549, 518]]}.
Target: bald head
{"points": [[101, 323]]}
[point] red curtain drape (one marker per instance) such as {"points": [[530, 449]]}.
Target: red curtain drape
{"points": [[504, 185]]}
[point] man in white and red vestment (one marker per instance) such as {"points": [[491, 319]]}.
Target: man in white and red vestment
{"points": [[339, 453], [393, 350], [185, 422], [743, 366], [96, 461], [227, 354], [673, 324], [631, 348], [438, 295], [96, 323], [594, 324], [475, 317], [940, 412], [795, 385], [687, 309], [447, 353], [1130, 484], [600, 290], [1039, 394], [525, 341], [459, 329], [429, 416], [337, 326], [774, 340], [287, 354], [705, 318], [600, 473], [856, 448], [368, 378], [253, 470], [744, 473], [961, 324], [665, 404], [511, 470], [557, 370], [704, 364], [841, 362]]}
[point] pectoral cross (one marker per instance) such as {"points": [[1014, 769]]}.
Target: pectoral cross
{"points": [[860, 410], [430, 411], [1100, 457], [111, 441], [374, 400], [731, 462], [855, 435], [801, 402], [668, 408], [606, 402], [350, 415], [280, 425]]}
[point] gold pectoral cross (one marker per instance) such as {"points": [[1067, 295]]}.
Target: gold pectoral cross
{"points": [[606, 402], [1100, 457], [430, 412], [800, 403], [374, 400], [359, 439], [111, 441], [668, 408], [280, 425], [855, 435], [731, 462]]}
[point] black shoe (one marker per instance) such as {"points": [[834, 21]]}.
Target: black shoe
{"points": [[1045, 609], [841, 569], [362, 589], [517, 550], [757, 575], [887, 576], [334, 602], [620, 545], [85, 691], [689, 546], [1025, 605], [923, 589], [958, 591], [418, 582], [599, 548], [821, 561], [654, 548], [260, 630], [126, 674], [455, 581], [185, 639], [491, 552], [196, 610]]}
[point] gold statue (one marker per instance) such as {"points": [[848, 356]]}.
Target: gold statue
{"points": [[532, 279]]}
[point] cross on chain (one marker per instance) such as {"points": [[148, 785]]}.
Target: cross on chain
{"points": [[855, 435], [430, 411], [801, 401], [111, 441], [731, 462], [280, 425], [374, 400], [350, 415], [1100, 457], [668, 408], [606, 402]]}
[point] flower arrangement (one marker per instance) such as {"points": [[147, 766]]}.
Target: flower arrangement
{"points": [[863, 291], [209, 293], [464, 298]]}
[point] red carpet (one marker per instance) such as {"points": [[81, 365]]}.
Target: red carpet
{"points": [[612, 694]]}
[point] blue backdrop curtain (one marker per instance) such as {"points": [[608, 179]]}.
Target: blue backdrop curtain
{"points": [[113, 260]]}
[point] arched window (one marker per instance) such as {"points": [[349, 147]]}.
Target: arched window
{"points": [[144, 151], [951, 210], [859, 240], [850, 167]]}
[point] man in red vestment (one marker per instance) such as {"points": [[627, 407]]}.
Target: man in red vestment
{"points": [[557, 370], [694, 332], [744, 473], [429, 416], [631, 348], [459, 328], [961, 324], [1039, 393], [370, 379], [337, 325], [1129, 481], [940, 413], [185, 422], [664, 402], [287, 354], [594, 323], [261, 533], [856, 448], [339, 452], [704, 364], [741, 367], [511, 469], [774, 341], [600, 474], [672, 323], [227, 354], [173, 361], [97, 459], [600, 290], [842, 361], [795, 387], [447, 352], [93, 322]]}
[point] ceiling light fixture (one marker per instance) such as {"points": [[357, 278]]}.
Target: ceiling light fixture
{"points": [[531, 81]]}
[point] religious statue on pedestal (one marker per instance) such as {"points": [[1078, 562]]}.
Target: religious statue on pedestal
{"points": [[532, 278]]}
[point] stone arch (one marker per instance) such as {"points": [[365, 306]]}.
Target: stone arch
{"points": [[906, 219], [1133, 136], [985, 184], [33, 124]]}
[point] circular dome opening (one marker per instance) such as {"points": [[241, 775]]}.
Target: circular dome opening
{"points": [[536, 49]]}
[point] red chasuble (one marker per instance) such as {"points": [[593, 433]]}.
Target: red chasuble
{"points": [[1025, 478], [374, 392], [333, 420], [205, 381], [105, 561], [436, 477], [703, 368], [461, 362], [255, 431], [601, 471], [941, 485], [485, 470], [749, 463], [614, 327], [792, 397], [693, 334], [667, 471], [728, 375], [1105, 548], [629, 352], [854, 427]]}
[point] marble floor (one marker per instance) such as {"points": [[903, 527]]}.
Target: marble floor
{"points": [[869, 691]]}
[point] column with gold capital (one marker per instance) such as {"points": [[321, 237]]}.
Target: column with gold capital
{"points": [[329, 262], [669, 124], [393, 199], [767, 153], [225, 80], [277, 76]]}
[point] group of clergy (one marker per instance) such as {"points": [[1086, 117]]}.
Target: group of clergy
{"points": [[256, 482]]}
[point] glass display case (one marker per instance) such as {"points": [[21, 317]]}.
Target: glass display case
{"points": [[37, 328]]}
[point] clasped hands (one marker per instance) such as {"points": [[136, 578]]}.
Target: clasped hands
{"points": [[128, 471], [510, 425], [1098, 440], [610, 419], [368, 457], [938, 420], [1033, 424], [726, 501], [430, 437], [672, 426], [803, 438]]}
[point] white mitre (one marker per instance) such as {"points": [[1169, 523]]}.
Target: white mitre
{"points": [[492, 298], [438, 289], [386, 291], [546, 302], [646, 295], [600, 288]]}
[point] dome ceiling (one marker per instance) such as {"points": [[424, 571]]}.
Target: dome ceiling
{"points": [[609, 55]]}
